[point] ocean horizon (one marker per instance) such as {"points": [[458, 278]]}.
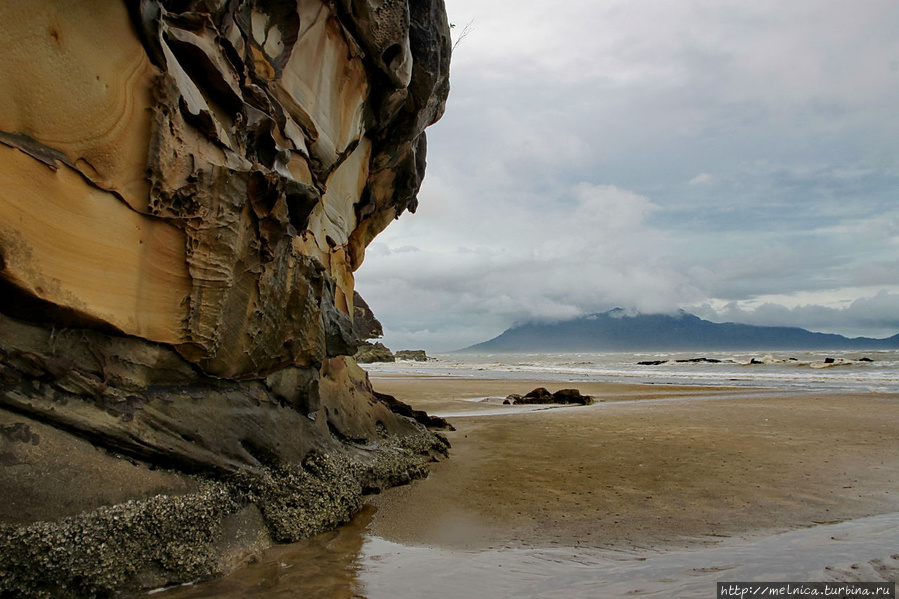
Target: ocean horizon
{"points": [[875, 371]]}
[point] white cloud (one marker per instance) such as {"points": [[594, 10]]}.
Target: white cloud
{"points": [[701, 179], [536, 261]]}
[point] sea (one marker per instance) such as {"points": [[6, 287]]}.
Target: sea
{"points": [[875, 371], [351, 563]]}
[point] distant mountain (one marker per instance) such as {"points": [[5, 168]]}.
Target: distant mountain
{"points": [[616, 331]]}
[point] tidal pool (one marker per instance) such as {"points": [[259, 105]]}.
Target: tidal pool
{"points": [[349, 563]]}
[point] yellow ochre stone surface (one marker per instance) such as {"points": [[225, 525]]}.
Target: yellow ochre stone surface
{"points": [[209, 178]]}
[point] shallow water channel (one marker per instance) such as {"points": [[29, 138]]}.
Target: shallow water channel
{"points": [[351, 563]]}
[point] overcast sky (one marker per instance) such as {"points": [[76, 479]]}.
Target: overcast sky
{"points": [[736, 159]]}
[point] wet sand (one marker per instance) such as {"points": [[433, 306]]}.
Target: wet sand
{"points": [[650, 466], [656, 490]]}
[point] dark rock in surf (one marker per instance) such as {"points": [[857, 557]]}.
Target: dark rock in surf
{"points": [[699, 360]]}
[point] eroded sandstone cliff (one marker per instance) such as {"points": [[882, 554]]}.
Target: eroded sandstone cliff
{"points": [[186, 189]]}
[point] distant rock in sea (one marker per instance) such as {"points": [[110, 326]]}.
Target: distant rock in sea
{"points": [[369, 353], [365, 324], [617, 331], [416, 355], [368, 327], [764, 360]]}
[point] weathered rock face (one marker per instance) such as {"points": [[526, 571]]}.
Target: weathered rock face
{"points": [[186, 189], [208, 174]]}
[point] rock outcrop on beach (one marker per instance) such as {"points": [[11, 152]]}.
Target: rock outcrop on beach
{"points": [[404, 409], [368, 327], [365, 323], [371, 353], [542, 395], [185, 192]]}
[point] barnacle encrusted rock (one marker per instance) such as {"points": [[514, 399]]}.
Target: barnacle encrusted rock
{"points": [[186, 189]]}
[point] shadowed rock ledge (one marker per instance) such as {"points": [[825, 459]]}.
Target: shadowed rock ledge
{"points": [[186, 189]]}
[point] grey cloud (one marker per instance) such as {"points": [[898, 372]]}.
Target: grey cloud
{"points": [[782, 116], [873, 316]]}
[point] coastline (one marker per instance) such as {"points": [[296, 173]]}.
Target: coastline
{"points": [[655, 490], [695, 465]]}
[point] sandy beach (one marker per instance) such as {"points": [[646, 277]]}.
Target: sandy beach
{"points": [[648, 466], [655, 490]]}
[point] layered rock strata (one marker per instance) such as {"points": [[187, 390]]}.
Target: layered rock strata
{"points": [[186, 189]]}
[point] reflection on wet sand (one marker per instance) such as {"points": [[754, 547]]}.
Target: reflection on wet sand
{"points": [[325, 566], [859, 550], [351, 564]]}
